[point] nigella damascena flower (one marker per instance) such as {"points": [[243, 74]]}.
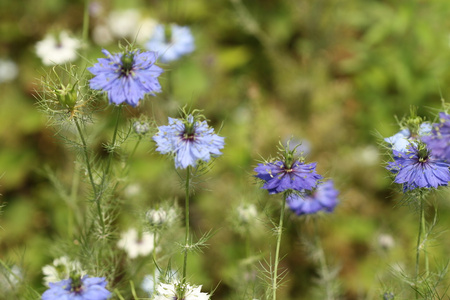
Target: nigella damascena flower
{"points": [[401, 140], [189, 140], [171, 42], [322, 198], [58, 49], [176, 290], [137, 243], [61, 269], [81, 288], [418, 168], [439, 140], [126, 77], [281, 176]]}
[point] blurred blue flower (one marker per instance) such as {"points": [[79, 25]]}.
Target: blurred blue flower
{"points": [[403, 138], [171, 42], [126, 77], [280, 177], [323, 197], [82, 289], [418, 168], [189, 140], [439, 140]]}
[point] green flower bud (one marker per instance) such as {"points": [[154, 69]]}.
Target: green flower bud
{"points": [[67, 96]]}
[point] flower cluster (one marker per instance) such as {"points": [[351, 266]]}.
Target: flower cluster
{"points": [[190, 140], [419, 168], [322, 198], [171, 42], [126, 77], [402, 139], [176, 290], [287, 173], [439, 139], [78, 288]]}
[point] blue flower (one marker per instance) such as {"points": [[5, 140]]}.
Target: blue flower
{"points": [[81, 289], [401, 140], [189, 140], [280, 176], [126, 77], [171, 42], [323, 197], [439, 140], [418, 168]]}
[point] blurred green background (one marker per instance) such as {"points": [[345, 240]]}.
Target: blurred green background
{"points": [[332, 73]]}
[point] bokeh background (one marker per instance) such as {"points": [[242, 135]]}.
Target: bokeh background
{"points": [[330, 73]]}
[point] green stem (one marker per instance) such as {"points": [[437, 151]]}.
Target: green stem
{"points": [[419, 237], [86, 24], [322, 261], [186, 240], [86, 155], [424, 228], [277, 251], [105, 176], [135, 147]]}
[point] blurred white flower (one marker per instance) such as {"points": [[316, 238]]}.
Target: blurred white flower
{"points": [[247, 213], [172, 291], [124, 23], [61, 269], [58, 50], [8, 70], [386, 241], [136, 244], [161, 217], [369, 155], [101, 35]]}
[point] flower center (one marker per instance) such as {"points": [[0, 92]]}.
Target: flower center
{"points": [[127, 61]]}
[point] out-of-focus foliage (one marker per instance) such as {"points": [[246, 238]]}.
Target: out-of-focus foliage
{"points": [[330, 72]]}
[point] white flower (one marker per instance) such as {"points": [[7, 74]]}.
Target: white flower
{"points": [[124, 23], [149, 282], [61, 269], [246, 213], [161, 217], [170, 291], [135, 244], [59, 50], [8, 70]]}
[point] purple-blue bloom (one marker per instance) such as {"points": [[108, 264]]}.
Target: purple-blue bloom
{"points": [[85, 289], [418, 168], [188, 140], [439, 140], [401, 140], [279, 177], [171, 42], [126, 77], [323, 197]]}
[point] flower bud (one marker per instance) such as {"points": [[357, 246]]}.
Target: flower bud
{"points": [[67, 96]]}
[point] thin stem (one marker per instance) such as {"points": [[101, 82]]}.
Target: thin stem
{"points": [[86, 24], [277, 251], [419, 237], [105, 176], [86, 156], [322, 261], [186, 240], [424, 228]]}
